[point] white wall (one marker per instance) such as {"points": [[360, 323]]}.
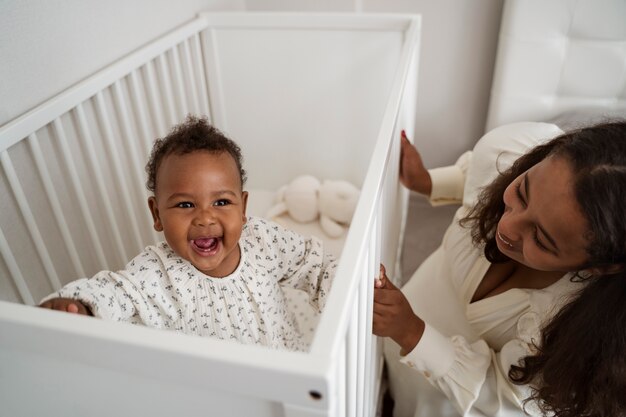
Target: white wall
{"points": [[459, 40], [45, 46]]}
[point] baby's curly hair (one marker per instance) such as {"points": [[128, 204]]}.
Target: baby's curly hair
{"points": [[194, 134]]}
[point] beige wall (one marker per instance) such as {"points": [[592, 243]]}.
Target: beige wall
{"points": [[45, 46], [459, 40]]}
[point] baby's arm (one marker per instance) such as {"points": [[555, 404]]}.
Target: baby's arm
{"points": [[108, 295], [116, 296], [307, 267], [67, 304]]}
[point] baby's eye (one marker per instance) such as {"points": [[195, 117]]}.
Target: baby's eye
{"points": [[222, 202], [184, 204]]}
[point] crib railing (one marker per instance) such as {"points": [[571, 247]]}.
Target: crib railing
{"points": [[375, 237], [82, 209]]}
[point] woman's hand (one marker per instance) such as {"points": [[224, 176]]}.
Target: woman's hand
{"points": [[68, 305], [393, 316], [413, 174]]}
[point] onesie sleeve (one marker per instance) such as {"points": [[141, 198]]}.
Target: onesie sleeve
{"points": [[302, 261], [310, 268], [124, 295], [109, 295], [473, 376]]}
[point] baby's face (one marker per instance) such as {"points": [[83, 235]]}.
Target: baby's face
{"points": [[201, 209]]}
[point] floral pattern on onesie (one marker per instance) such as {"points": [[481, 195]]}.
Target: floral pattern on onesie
{"points": [[162, 290]]}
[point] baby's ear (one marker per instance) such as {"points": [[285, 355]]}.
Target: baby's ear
{"points": [[244, 201], [152, 204]]}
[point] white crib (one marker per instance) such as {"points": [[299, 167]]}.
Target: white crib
{"points": [[318, 94]]}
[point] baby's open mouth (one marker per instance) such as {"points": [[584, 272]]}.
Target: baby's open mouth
{"points": [[206, 244]]}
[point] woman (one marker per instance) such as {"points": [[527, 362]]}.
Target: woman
{"points": [[523, 306]]}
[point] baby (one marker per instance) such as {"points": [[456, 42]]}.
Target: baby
{"points": [[218, 273]]}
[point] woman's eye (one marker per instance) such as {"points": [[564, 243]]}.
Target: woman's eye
{"points": [[184, 204], [538, 243], [518, 191]]}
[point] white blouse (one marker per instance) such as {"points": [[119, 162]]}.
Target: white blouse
{"points": [[160, 289], [467, 348]]}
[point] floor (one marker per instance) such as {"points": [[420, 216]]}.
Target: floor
{"points": [[425, 226]]}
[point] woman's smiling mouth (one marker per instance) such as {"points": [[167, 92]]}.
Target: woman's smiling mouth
{"points": [[504, 240]]}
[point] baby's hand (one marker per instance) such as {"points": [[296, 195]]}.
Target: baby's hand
{"points": [[66, 304]]}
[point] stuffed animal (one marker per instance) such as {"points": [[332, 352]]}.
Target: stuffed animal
{"points": [[299, 199], [305, 199]]}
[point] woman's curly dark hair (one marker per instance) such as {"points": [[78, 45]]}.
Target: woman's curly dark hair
{"points": [[194, 134], [580, 365]]}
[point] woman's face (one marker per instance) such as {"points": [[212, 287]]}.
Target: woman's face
{"points": [[542, 226]]}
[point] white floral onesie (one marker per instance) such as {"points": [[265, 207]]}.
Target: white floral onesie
{"points": [[160, 289]]}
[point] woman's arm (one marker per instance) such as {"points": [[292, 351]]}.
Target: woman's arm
{"points": [[472, 375], [441, 185]]}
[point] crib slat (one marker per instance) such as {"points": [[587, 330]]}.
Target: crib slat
{"points": [[340, 380], [94, 161], [29, 219], [166, 89], [352, 353], [140, 111], [79, 194], [158, 115], [197, 61], [367, 356], [97, 171], [362, 337], [191, 76], [369, 288], [212, 73], [16, 274], [180, 85], [375, 249], [57, 211], [143, 128], [135, 161]]}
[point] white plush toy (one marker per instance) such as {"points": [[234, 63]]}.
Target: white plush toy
{"points": [[305, 199]]}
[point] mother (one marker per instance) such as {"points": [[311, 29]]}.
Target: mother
{"points": [[523, 306]]}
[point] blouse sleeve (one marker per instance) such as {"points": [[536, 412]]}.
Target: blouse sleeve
{"points": [[473, 376], [448, 182], [493, 153]]}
